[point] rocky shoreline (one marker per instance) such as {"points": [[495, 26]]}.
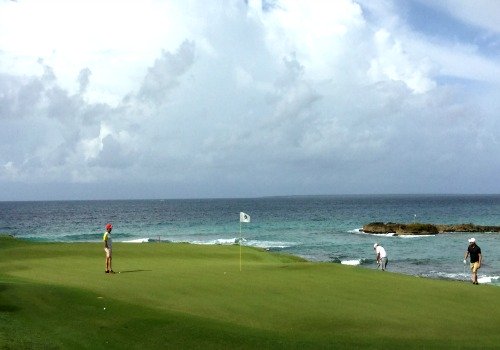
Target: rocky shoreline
{"points": [[424, 229]]}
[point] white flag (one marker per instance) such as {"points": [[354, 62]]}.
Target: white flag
{"points": [[244, 217]]}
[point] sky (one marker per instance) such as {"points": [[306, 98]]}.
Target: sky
{"points": [[142, 99]]}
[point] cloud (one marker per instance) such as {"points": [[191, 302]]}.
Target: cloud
{"points": [[262, 98], [83, 80], [162, 76], [393, 63]]}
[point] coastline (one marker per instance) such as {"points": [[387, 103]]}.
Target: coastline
{"points": [[316, 228], [166, 291], [365, 263]]}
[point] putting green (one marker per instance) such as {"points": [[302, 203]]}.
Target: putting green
{"points": [[188, 296]]}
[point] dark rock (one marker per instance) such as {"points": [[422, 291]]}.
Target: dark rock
{"points": [[424, 229]]}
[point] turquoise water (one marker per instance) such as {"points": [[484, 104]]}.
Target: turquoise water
{"points": [[319, 228]]}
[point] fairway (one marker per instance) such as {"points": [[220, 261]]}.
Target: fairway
{"points": [[56, 295]]}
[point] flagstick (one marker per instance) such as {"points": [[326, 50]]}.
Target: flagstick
{"points": [[240, 246]]}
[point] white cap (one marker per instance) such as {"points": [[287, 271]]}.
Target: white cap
{"points": [[472, 240], [375, 245]]}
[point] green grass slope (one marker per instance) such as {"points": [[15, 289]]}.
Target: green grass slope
{"points": [[53, 295]]}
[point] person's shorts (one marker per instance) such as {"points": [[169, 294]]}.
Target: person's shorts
{"points": [[474, 266], [108, 252], [383, 263]]}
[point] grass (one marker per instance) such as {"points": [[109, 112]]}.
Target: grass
{"points": [[53, 295]]}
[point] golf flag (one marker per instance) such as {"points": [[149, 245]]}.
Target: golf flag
{"points": [[244, 217]]}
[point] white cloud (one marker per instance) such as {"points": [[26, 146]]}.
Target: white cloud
{"points": [[111, 38], [314, 33], [205, 97], [9, 171], [392, 62]]}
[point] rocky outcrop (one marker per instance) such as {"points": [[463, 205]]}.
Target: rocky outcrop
{"points": [[424, 229]]}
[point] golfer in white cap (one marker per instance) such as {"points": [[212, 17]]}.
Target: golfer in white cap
{"points": [[381, 256], [475, 258]]}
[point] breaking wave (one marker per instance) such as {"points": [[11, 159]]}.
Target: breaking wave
{"points": [[390, 234], [463, 277], [223, 241]]}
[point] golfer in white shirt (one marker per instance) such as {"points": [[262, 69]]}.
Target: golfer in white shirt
{"points": [[381, 256]]}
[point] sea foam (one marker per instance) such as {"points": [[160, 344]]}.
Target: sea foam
{"points": [[489, 279], [138, 240], [390, 234], [244, 242], [360, 231], [355, 262], [464, 277], [356, 230]]}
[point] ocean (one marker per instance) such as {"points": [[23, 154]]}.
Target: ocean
{"points": [[317, 228]]}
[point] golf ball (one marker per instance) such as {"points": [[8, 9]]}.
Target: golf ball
{"points": [[104, 308]]}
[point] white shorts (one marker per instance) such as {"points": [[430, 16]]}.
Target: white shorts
{"points": [[108, 252]]}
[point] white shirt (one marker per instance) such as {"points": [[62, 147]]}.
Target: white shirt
{"points": [[380, 250]]}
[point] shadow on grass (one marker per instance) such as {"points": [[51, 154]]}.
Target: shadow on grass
{"points": [[130, 271], [8, 308], [4, 306]]}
